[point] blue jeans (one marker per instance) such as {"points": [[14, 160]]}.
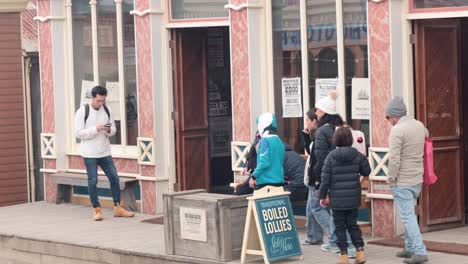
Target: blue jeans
{"points": [[107, 165], [405, 199], [318, 220]]}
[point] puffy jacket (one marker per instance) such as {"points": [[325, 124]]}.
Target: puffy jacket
{"points": [[270, 161], [340, 178], [293, 167], [322, 146]]}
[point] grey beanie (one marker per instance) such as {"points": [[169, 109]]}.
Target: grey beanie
{"points": [[395, 107]]}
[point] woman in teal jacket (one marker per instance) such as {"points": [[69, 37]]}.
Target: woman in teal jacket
{"points": [[270, 154]]}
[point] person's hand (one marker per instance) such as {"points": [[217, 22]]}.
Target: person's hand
{"points": [[252, 183], [391, 180], [244, 170], [323, 203], [306, 131], [361, 179], [100, 128]]}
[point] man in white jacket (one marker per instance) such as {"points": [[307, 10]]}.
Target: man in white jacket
{"points": [[93, 126]]}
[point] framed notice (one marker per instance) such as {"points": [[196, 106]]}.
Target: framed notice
{"points": [[323, 87], [360, 105], [193, 224], [86, 87], [292, 97]]}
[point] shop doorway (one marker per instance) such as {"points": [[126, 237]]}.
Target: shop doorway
{"points": [[441, 81], [202, 103]]}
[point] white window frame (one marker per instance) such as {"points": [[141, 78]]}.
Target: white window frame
{"points": [[340, 46], [121, 150]]}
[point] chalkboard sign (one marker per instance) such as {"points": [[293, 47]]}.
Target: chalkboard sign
{"points": [[270, 231], [276, 222]]}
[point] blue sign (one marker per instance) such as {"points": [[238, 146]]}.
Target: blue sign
{"points": [[276, 220]]}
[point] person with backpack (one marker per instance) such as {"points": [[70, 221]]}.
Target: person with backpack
{"points": [[340, 180], [93, 126], [405, 174]]}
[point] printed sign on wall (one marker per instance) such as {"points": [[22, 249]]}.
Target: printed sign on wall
{"points": [[360, 99], [292, 97]]}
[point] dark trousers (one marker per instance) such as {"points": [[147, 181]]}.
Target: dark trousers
{"points": [[347, 220]]}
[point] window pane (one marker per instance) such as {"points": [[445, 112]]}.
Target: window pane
{"points": [[287, 64], [108, 60], [321, 42], [130, 72], [191, 9], [356, 59], [82, 52], [439, 3]]}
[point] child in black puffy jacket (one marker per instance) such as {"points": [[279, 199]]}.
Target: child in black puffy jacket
{"points": [[341, 174]]}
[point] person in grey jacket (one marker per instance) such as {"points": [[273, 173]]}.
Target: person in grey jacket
{"points": [[341, 175], [405, 174]]}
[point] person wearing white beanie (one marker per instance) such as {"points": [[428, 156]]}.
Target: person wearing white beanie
{"points": [[328, 120]]}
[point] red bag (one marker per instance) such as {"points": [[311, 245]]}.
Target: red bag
{"points": [[429, 176]]}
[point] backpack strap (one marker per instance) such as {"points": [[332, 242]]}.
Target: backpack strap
{"points": [[107, 112], [87, 112], [86, 115]]}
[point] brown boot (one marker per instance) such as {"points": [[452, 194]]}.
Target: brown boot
{"points": [[119, 211], [97, 214], [360, 257], [343, 259]]}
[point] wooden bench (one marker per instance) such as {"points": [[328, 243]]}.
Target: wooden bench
{"points": [[66, 180]]}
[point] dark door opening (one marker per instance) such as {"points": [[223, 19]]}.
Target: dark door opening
{"points": [[202, 100], [441, 81]]}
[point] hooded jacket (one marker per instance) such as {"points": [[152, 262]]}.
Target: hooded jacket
{"points": [[341, 178], [270, 161], [293, 167]]}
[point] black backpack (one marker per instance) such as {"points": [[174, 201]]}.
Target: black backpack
{"points": [[87, 112]]}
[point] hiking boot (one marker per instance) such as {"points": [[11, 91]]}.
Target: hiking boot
{"points": [[330, 248], [97, 214], [119, 211], [360, 258], [416, 259], [343, 259], [404, 254]]}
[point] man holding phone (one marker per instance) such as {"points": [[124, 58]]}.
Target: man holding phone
{"points": [[93, 126]]}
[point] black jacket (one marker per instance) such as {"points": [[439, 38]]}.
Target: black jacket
{"points": [[340, 178], [322, 146], [293, 167]]}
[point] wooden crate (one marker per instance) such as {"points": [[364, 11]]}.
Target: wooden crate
{"points": [[225, 220]]}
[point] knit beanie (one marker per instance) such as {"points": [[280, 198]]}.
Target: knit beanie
{"points": [[328, 104], [395, 107], [265, 120]]}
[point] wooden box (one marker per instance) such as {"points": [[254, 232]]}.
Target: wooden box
{"points": [[204, 225]]}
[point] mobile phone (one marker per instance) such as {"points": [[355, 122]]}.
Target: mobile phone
{"points": [[108, 125]]}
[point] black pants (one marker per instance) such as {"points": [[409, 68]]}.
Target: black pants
{"points": [[347, 220]]}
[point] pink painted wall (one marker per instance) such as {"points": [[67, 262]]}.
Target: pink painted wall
{"points": [[380, 72], [240, 73]]}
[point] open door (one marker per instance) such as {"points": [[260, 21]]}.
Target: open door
{"points": [[438, 81], [191, 109]]}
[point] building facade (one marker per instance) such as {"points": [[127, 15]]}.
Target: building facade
{"points": [[187, 80]]}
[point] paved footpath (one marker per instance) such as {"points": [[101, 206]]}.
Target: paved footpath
{"points": [[72, 224]]}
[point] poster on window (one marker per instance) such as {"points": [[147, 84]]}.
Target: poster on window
{"points": [[292, 97], [323, 86], [86, 87], [360, 103]]}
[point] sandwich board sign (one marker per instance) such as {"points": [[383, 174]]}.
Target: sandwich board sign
{"points": [[270, 230]]}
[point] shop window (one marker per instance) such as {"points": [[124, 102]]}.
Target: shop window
{"points": [[286, 64], [196, 9], [322, 53], [122, 90], [438, 3]]}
